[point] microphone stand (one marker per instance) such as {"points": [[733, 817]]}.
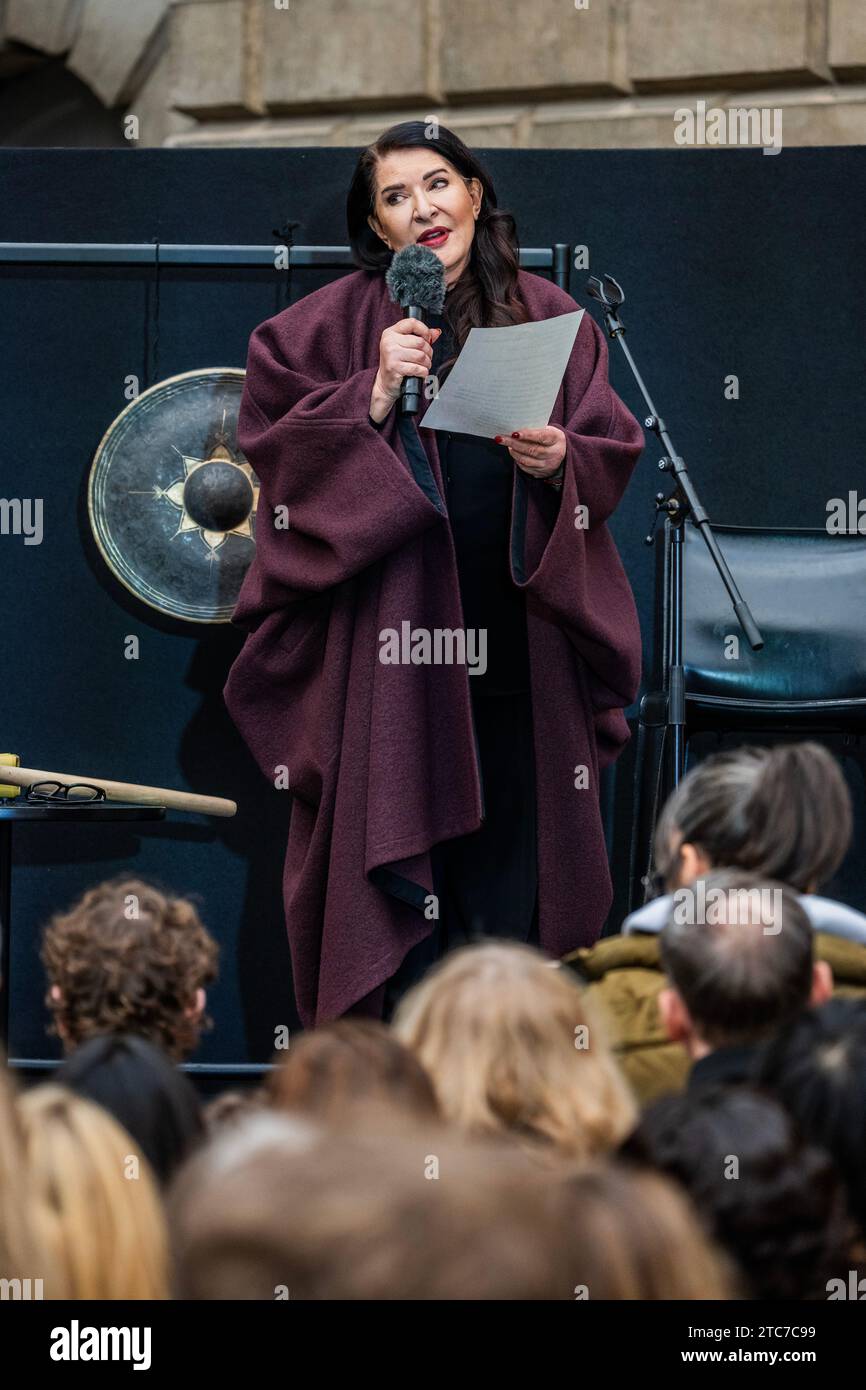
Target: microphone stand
{"points": [[681, 504]]}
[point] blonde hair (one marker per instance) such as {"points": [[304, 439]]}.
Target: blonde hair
{"points": [[21, 1256], [514, 1046], [97, 1206]]}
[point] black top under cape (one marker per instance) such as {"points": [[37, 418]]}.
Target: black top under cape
{"points": [[486, 882], [479, 478]]}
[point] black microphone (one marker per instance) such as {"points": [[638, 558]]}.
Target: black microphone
{"points": [[416, 281]]}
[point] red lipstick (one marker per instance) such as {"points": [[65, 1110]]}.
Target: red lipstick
{"points": [[434, 236]]}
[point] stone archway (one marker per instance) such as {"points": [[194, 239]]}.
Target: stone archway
{"points": [[119, 52]]}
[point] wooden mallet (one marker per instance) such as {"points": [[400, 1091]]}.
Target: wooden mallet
{"points": [[115, 791]]}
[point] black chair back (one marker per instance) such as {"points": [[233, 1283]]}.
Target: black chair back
{"points": [[806, 589], [807, 593]]}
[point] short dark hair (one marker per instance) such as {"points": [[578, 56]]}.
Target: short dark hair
{"points": [[817, 1068], [741, 980], [783, 1218], [144, 1092]]}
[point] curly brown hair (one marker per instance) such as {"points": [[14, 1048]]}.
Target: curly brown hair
{"points": [[127, 958]]}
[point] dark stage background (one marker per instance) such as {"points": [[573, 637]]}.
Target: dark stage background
{"points": [[732, 262]]}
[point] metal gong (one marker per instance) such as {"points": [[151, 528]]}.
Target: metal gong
{"points": [[172, 500]]}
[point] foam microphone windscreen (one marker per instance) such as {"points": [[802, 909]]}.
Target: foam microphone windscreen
{"points": [[416, 276]]}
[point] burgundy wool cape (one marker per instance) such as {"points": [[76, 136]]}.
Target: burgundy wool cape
{"points": [[382, 760]]}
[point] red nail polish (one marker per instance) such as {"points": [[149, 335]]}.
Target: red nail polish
{"points": [[497, 439], [514, 434]]}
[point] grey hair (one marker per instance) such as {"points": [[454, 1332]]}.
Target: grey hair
{"points": [[782, 812]]}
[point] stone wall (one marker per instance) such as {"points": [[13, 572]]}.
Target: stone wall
{"points": [[563, 73]]}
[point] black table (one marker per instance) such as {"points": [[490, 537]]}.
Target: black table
{"points": [[47, 813]]}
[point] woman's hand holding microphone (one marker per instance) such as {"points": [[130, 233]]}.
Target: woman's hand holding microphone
{"points": [[405, 349]]}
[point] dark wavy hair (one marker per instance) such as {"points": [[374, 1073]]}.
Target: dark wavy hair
{"points": [[487, 295]]}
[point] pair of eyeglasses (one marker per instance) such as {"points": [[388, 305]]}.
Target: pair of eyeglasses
{"points": [[59, 791]]}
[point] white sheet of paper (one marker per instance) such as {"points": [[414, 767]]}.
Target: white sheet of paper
{"points": [[505, 378]]}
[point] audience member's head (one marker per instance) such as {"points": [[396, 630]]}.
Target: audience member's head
{"points": [[227, 1108], [773, 1202], [96, 1204], [738, 951], [817, 1069], [145, 1092], [333, 1070], [276, 1208], [638, 1237], [513, 1046], [465, 1152], [22, 1255], [781, 812], [128, 959]]}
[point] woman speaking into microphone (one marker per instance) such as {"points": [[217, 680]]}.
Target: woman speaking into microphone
{"points": [[441, 636]]}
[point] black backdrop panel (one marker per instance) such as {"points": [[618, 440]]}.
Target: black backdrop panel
{"points": [[733, 263]]}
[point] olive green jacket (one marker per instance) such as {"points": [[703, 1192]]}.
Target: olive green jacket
{"points": [[624, 976]]}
